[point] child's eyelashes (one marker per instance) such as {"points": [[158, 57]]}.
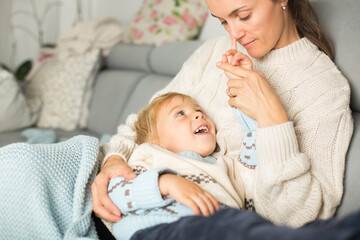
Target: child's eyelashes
{"points": [[180, 113]]}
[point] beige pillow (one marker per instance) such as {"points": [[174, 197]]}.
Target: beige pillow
{"points": [[64, 87], [161, 21]]}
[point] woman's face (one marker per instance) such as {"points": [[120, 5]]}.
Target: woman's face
{"points": [[258, 25]]}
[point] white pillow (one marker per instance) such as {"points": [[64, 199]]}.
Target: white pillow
{"points": [[64, 87], [14, 111], [162, 21]]}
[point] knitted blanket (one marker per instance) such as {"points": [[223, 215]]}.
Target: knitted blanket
{"points": [[45, 189]]}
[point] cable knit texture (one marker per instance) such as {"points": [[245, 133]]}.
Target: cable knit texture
{"points": [[299, 175], [45, 189]]}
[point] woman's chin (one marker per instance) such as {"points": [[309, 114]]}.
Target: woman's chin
{"points": [[255, 54]]}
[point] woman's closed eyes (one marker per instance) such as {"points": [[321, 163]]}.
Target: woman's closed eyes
{"points": [[244, 18]]}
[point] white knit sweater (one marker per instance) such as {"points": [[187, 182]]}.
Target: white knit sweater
{"points": [[299, 176]]}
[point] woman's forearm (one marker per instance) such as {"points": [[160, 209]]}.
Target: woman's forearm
{"points": [[285, 191], [300, 178]]}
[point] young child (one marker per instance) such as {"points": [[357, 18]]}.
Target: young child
{"points": [[176, 139]]}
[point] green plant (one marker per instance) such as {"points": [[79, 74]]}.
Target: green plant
{"points": [[21, 71]]}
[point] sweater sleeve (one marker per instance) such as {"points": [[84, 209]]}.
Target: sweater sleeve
{"points": [[299, 177], [123, 143], [140, 193]]}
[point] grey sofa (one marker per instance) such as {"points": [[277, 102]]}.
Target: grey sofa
{"points": [[132, 74]]}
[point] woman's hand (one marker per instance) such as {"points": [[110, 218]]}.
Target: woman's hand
{"points": [[102, 205], [189, 194], [250, 91], [237, 58]]}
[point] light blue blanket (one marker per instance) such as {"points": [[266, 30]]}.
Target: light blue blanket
{"points": [[45, 189]]}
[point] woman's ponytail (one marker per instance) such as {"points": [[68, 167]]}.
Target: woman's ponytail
{"points": [[307, 24]]}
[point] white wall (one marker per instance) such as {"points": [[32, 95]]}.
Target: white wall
{"points": [[69, 15], [60, 19], [56, 22], [5, 9], [19, 35], [27, 21], [123, 10]]}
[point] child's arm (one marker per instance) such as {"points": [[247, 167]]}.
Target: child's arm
{"points": [[147, 191], [188, 193], [139, 193]]}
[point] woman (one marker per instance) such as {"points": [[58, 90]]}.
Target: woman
{"points": [[289, 85]]}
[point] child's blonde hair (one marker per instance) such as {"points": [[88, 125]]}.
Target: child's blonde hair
{"points": [[145, 125]]}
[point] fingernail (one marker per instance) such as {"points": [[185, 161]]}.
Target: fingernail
{"points": [[116, 213], [218, 64], [132, 175]]}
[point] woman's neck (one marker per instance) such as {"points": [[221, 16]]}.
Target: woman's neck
{"points": [[289, 34]]}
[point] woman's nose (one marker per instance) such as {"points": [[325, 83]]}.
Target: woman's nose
{"points": [[236, 30]]}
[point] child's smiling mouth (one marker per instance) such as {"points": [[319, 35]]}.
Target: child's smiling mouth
{"points": [[202, 129]]}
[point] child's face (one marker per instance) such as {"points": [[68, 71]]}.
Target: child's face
{"points": [[182, 126]]}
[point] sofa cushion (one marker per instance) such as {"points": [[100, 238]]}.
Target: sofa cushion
{"points": [[341, 21], [129, 57], [142, 93], [168, 58], [165, 59], [113, 89]]}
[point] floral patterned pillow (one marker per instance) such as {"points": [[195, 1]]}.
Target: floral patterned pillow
{"points": [[161, 21]]}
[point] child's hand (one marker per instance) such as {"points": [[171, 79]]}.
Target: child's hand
{"points": [[189, 194]]}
